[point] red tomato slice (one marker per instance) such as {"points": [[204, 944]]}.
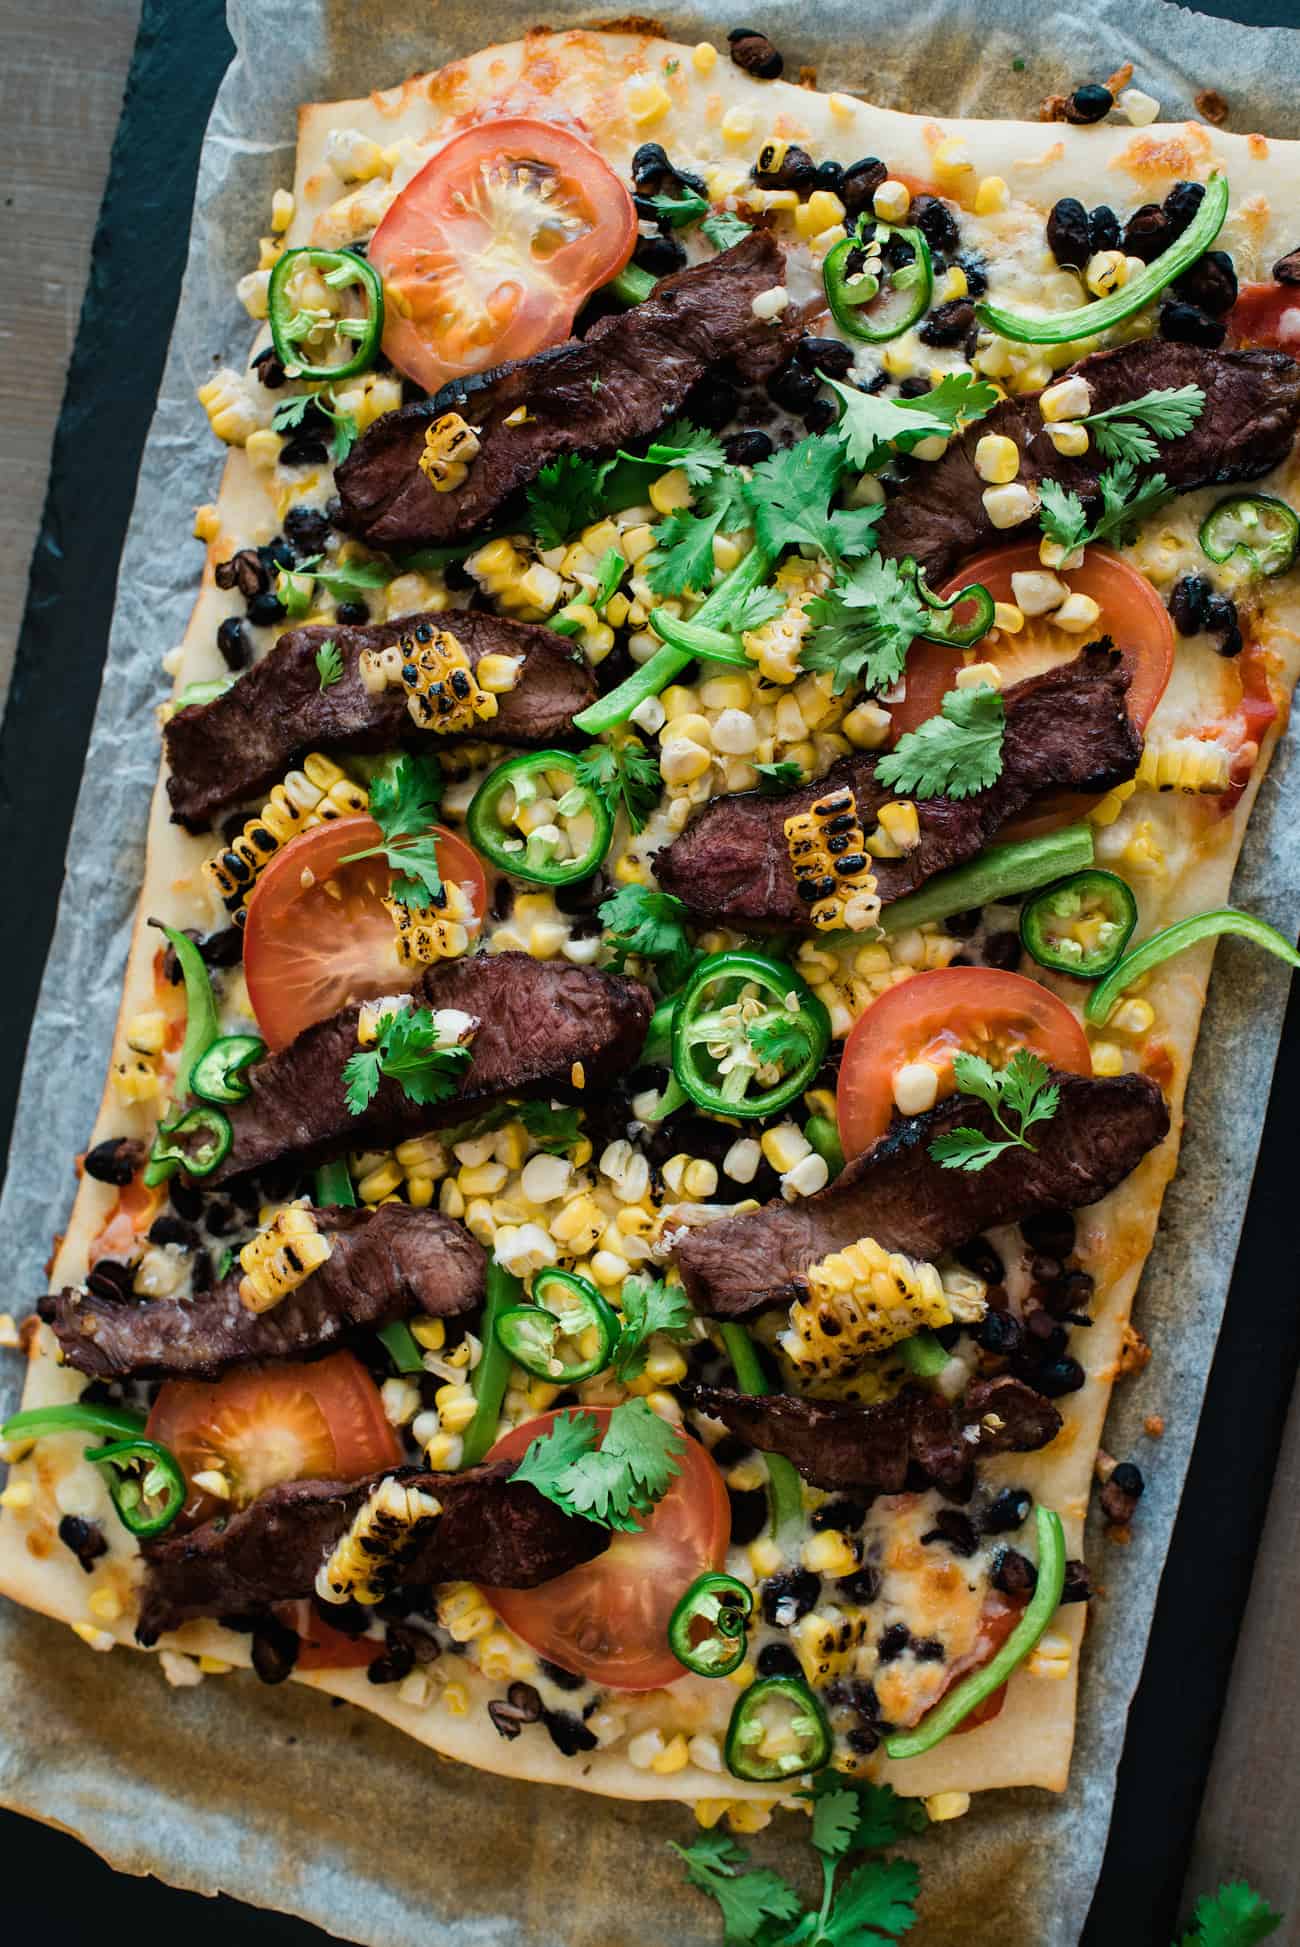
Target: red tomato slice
{"points": [[323, 1421], [608, 1620], [997, 1621], [320, 1645], [318, 934], [933, 1016], [490, 252], [1266, 314]]}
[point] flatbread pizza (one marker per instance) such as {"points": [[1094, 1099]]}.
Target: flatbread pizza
{"points": [[740, 636]]}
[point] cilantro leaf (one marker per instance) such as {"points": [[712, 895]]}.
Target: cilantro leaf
{"points": [[835, 1822], [783, 1039], [1235, 1916], [622, 775], [790, 490], [564, 497], [1021, 1090], [554, 1129], [759, 606], [879, 1895], [748, 1900], [406, 1050], [649, 1306], [329, 664], [404, 798], [724, 228], [571, 1436], [951, 755], [699, 454], [612, 1484], [644, 921], [1125, 501], [689, 207], [348, 579], [782, 776], [289, 413], [683, 556], [1062, 515], [864, 627], [869, 425], [1124, 432]]}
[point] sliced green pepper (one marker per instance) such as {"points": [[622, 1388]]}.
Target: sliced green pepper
{"points": [[492, 1373], [955, 635], [740, 1013], [1063, 327], [568, 1308], [218, 1074], [784, 1487], [292, 325], [333, 1185], [698, 639], [825, 1139], [401, 1346], [173, 1151], [1175, 939], [1080, 926], [850, 287], [115, 1421], [777, 1730], [201, 1030], [1000, 872], [1263, 530], [963, 1698], [923, 1355], [145, 1484], [706, 1631], [535, 856], [632, 284]]}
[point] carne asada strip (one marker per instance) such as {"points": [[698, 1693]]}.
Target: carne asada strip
{"points": [[899, 1195], [1252, 405], [1066, 729], [539, 1021], [592, 395], [384, 1264], [273, 1550], [225, 752], [878, 1449]]}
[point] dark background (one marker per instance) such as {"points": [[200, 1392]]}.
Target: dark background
{"points": [[56, 1890]]}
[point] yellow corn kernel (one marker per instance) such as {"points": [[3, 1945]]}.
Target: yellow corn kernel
{"points": [[456, 1698], [1008, 618], [1107, 271], [431, 1333], [992, 195], [147, 1032], [899, 818], [646, 98], [1184, 764], [828, 857], [748, 1815], [456, 1407], [704, 57], [867, 726], [380, 1183], [892, 201], [829, 1553], [997, 459], [1051, 1656], [943, 1806], [737, 125], [1112, 804], [675, 1756], [671, 492], [207, 522], [1070, 440], [765, 1558], [828, 1642], [822, 209], [1107, 1058], [281, 1257]]}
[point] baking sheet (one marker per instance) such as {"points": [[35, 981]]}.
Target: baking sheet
{"points": [[277, 1796]]}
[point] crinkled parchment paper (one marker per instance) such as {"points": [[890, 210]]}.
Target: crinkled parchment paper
{"points": [[274, 1795]]}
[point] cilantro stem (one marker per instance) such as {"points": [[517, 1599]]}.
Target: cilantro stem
{"points": [[999, 872], [785, 1489], [492, 1373]]}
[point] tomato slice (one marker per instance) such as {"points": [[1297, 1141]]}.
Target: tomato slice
{"points": [[490, 252], [933, 1016], [320, 1645], [1266, 314], [608, 1620], [997, 1620], [323, 1421], [318, 934]]}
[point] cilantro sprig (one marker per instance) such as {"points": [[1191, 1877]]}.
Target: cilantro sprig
{"points": [[951, 755], [290, 413], [404, 800], [649, 1306], [1235, 1916], [778, 777], [1124, 501], [1020, 1091], [865, 624], [553, 1127], [651, 924], [329, 664], [615, 1482], [624, 776], [407, 1050], [724, 228], [1129, 431], [870, 426]]}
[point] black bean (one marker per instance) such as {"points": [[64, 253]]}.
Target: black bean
{"points": [[307, 528], [948, 323], [562, 1679], [748, 1514], [1181, 205], [1058, 1376], [353, 615], [936, 223], [829, 355], [842, 1515], [274, 1650], [1186, 324], [861, 1588], [111, 1279], [568, 1733], [269, 370], [277, 554], [1067, 233], [1002, 950], [775, 1660], [754, 53], [232, 641], [167, 1228], [84, 1538], [659, 255], [928, 1649], [1089, 104], [1051, 1231], [1014, 1573], [245, 571], [1000, 1333], [650, 165], [830, 175], [1010, 1510], [962, 925], [711, 403], [1221, 621], [1287, 269], [1103, 228], [731, 1449], [307, 449], [793, 388], [186, 1199], [1211, 284], [980, 1258], [864, 1740], [1045, 1339], [1188, 601], [265, 610], [1147, 232], [793, 169], [747, 448], [894, 1641], [1078, 1583], [115, 1160], [1121, 1494], [954, 1528], [787, 1597], [897, 251], [820, 414], [392, 1664], [860, 182], [976, 277]]}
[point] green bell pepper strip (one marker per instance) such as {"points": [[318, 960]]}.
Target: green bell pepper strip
{"points": [[1046, 918], [170, 1154], [702, 1020], [658, 1053], [750, 1725], [531, 1333], [333, 1184], [923, 1355], [962, 1699], [717, 611], [201, 1030], [401, 1346], [1175, 939], [784, 1487], [218, 1074], [203, 692], [723, 1605], [1087, 320], [632, 285], [698, 639], [999, 872], [289, 325], [848, 299], [116, 1422], [822, 1133], [492, 1373], [531, 860], [1259, 527], [145, 1484]]}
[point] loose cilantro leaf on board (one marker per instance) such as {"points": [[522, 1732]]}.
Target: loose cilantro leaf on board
{"points": [[864, 627], [724, 228], [649, 1306], [699, 454], [624, 776], [407, 1050], [1124, 499], [641, 920], [553, 1128], [329, 664], [1125, 432], [564, 497], [749, 1901], [835, 1822], [953, 754], [871, 426], [877, 1898], [1021, 1090], [880, 1816], [1235, 1916], [782, 776], [633, 1467], [404, 799], [689, 207]]}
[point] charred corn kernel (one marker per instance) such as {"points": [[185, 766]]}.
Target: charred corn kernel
{"points": [[1107, 270], [1069, 440], [1051, 1656], [867, 726], [282, 1256], [1077, 614], [147, 1032], [1133, 1017], [831, 867], [443, 1452], [916, 1087], [860, 1301], [442, 688], [456, 1407], [433, 932], [942, 1806], [828, 1641], [899, 819], [892, 201], [822, 209], [380, 1183], [310, 796], [367, 1564], [748, 1815], [1107, 1058], [1009, 506], [997, 459], [646, 99], [829, 1553], [450, 443], [1185, 764], [991, 196], [671, 492], [578, 1225], [765, 1558], [1112, 804]]}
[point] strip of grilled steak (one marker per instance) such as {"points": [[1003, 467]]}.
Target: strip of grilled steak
{"points": [[537, 1018], [1252, 404], [488, 1531], [385, 1264], [1066, 730], [224, 752], [912, 1440], [592, 395], [897, 1193]]}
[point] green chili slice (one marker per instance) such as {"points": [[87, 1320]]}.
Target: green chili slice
{"points": [[706, 1631], [1000, 872], [698, 639], [294, 326], [145, 1484], [194, 1142], [632, 285], [956, 635], [1063, 327], [568, 1309], [201, 1030], [739, 1015], [923, 1355], [581, 819], [218, 1074], [1263, 530], [825, 1139], [115, 1422], [201, 693], [784, 1487], [333, 1184], [869, 300], [1080, 926], [1175, 939], [401, 1346], [962, 1699], [777, 1730], [492, 1373]]}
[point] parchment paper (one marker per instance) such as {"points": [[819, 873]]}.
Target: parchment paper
{"points": [[274, 1795]]}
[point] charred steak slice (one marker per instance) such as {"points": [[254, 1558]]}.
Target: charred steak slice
{"points": [[537, 1019], [224, 752], [591, 395], [899, 1195], [1067, 729], [1252, 404], [385, 1264], [883, 1449], [488, 1531]]}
